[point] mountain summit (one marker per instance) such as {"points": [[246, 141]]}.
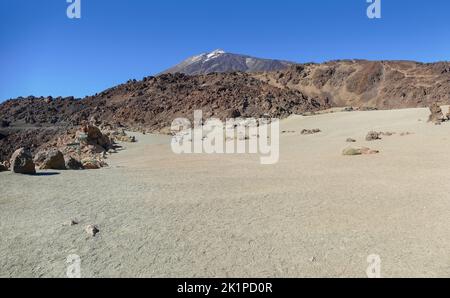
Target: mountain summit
{"points": [[221, 61]]}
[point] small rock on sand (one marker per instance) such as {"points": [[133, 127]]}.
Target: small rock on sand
{"points": [[310, 131], [91, 230], [92, 164], [387, 133], [372, 136], [358, 151], [407, 133], [350, 140], [70, 223]]}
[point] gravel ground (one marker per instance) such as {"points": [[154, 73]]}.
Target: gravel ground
{"points": [[314, 214]]}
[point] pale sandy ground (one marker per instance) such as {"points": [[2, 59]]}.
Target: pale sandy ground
{"points": [[314, 214]]}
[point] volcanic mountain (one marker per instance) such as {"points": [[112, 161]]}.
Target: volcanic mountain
{"points": [[220, 61]]}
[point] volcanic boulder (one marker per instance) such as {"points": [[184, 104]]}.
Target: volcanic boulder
{"points": [[54, 160], [22, 162], [91, 135]]}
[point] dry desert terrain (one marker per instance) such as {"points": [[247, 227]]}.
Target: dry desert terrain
{"points": [[316, 213]]}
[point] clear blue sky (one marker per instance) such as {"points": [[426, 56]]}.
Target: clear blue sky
{"points": [[42, 52]]}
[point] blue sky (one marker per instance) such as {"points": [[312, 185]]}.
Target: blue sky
{"points": [[42, 52]]}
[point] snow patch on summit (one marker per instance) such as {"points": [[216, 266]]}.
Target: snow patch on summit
{"points": [[214, 54]]}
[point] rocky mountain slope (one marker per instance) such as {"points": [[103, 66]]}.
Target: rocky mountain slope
{"points": [[378, 84], [149, 105], [220, 61], [153, 103]]}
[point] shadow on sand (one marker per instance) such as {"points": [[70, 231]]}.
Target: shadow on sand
{"points": [[45, 174]]}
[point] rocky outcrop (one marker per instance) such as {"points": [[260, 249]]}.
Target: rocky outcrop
{"points": [[91, 135], [436, 116], [22, 162], [369, 84]]}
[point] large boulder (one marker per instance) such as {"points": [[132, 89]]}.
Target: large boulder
{"points": [[54, 160], [436, 116], [22, 162]]}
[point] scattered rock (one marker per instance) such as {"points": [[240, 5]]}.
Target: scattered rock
{"points": [[93, 164], [3, 167], [91, 230], [351, 151], [22, 162], [407, 133], [365, 150], [52, 160], [348, 109], [73, 164], [350, 140], [372, 136], [387, 133], [368, 109], [436, 117], [358, 151], [310, 131], [71, 223], [126, 139]]}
